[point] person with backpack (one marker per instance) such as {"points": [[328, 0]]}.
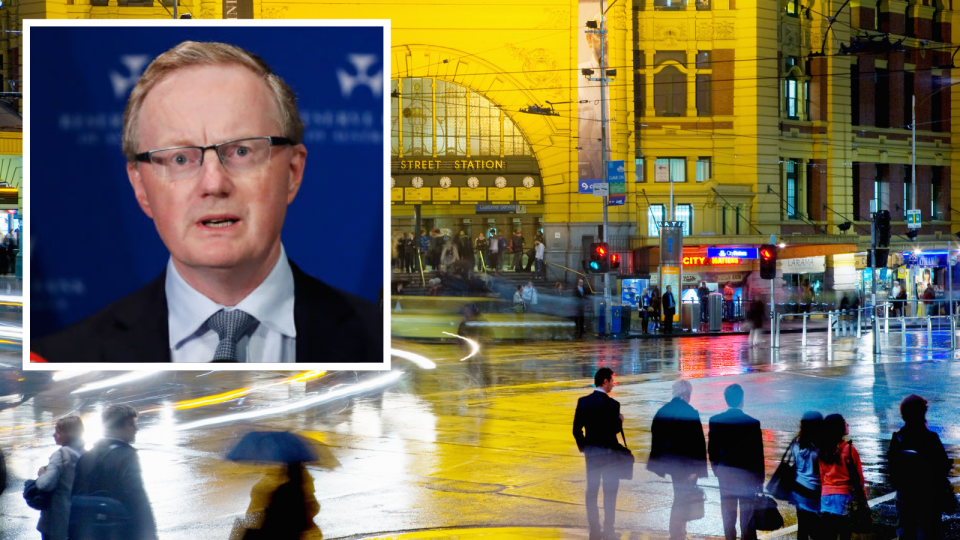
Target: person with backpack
{"points": [[109, 500], [918, 470], [57, 477], [806, 486], [841, 480]]}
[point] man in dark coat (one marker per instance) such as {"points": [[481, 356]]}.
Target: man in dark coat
{"points": [[516, 245], [918, 470], [736, 456], [114, 468], [669, 310], [679, 449], [703, 294], [581, 293], [595, 427]]}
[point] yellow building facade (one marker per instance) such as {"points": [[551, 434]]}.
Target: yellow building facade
{"points": [[746, 107]]}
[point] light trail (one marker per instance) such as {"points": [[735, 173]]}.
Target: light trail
{"points": [[421, 361], [64, 375], [473, 345], [113, 381], [335, 393]]}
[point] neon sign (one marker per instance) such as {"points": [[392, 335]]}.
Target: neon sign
{"points": [[704, 261]]}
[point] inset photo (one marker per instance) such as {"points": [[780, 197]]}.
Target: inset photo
{"points": [[206, 193]]}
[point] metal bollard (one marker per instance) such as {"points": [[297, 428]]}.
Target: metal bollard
{"points": [[929, 332], [803, 341], [830, 331], [953, 333], [859, 311], [886, 319], [903, 332]]}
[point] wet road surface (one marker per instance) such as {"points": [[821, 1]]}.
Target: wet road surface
{"points": [[484, 442]]}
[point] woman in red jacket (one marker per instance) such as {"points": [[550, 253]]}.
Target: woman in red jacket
{"points": [[841, 477]]}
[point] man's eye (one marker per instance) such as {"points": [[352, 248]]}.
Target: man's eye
{"points": [[180, 159]]}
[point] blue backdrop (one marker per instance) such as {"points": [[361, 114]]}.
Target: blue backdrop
{"points": [[91, 244]]}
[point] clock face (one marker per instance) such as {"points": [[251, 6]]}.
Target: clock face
{"points": [[393, 182], [500, 182], [473, 182], [417, 182], [445, 182], [528, 182]]}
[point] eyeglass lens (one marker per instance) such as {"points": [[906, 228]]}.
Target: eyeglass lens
{"points": [[236, 157]]}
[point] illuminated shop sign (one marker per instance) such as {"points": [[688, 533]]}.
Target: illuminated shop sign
{"points": [[739, 253], [705, 261]]}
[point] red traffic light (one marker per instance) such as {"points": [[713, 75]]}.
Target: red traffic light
{"points": [[614, 258], [601, 250], [766, 254]]}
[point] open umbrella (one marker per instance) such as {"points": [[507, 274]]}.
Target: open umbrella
{"points": [[273, 447]]}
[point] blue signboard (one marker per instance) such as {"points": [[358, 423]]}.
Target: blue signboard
{"points": [[616, 200], [927, 259], [738, 253], [616, 172], [498, 208], [586, 186]]}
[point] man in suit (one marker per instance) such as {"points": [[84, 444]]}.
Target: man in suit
{"points": [[679, 449], [581, 293], [736, 456], [595, 427], [669, 310], [217, 185], [112, 466]]}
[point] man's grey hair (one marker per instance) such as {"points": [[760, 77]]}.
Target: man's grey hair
{"points": [[682, 387], [116, 415]]}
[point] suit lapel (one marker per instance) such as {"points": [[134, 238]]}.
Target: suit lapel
{"points": [[322, 319], [141, 330]]}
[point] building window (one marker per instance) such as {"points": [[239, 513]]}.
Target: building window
{"points": [[669, 5], [793, 189], [684, 214], [703, 169], [792, 95], [881, 187], [703, 96], [936, 106], [855, 94], [676, 168], [908, 81], [654, 219], [881, 79], [936, 192], [670, 92], [876, 17], [703, 5], [455, 107], [638, 170], [703, 60], [793, 8]]}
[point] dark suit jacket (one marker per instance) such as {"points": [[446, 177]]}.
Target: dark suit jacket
{"points": [[596, 425], [678, 447], [332, 327], [736, 449], [119, 474]]}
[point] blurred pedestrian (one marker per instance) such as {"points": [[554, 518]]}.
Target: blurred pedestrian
{"points": [[494, 243], [465, 248], [581, 293], [518, 305], [424, 249], [516, 245], [655, 303], [502, 245], [736, 456], [396, 245], [901, 300], [703, 296], [538, 259], [480, 245], [679, 449], [57, 476], [558, 289], [756, 316], [841, 476], [728, 301], [410, 249], [669, 310], [806, 488], [112, 469], [643, 305], [449, 255], [918, 471], [929, 296], [595, 426]]}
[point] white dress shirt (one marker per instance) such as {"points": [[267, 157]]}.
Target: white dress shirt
{"points": [[274, 339]]}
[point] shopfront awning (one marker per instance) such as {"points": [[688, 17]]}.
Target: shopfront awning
{"points": [[814, 250]]}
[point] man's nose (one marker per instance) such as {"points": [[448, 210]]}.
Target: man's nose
{"points": [[214, 178]]}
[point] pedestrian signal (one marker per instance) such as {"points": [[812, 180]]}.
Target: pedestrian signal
{"points": [[599, 258], [614, 261], [768, 261]]}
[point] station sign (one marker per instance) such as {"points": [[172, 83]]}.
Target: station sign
{"points": [[739, 253], [692, 260]]}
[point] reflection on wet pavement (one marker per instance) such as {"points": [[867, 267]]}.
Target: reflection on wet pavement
{"points": [[479, 442]]}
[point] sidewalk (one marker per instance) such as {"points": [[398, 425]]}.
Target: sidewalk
{"points": [[518, 533]]}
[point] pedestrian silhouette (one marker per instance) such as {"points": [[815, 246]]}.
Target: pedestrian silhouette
{"points": [[679, 449], [918, 471], [736, 455], [57, 477], [841, 479], [806, 489], [595, 426]]}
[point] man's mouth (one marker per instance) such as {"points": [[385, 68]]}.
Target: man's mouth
{"points": [[219, 222]]}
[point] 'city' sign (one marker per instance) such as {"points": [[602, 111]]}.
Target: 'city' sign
{"points": [[704, 261], [740, 253]]}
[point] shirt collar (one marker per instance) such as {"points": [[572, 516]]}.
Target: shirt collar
{"points": [[601, 390], [271, 303]]}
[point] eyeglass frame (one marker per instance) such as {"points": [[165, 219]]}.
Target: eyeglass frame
{"points": [[144, 157]]}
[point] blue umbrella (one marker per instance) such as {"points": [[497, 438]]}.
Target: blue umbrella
{"points": [[273, 447]]}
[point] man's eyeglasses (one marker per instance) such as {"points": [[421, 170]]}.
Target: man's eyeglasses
{"points": [[237, 156]]}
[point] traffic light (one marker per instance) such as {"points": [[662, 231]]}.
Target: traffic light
{"points": [[768, 261], [614, 261], [599, 258], [879, 260], [882, 223]]}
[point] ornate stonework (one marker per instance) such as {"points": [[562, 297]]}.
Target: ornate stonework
{"points": [[704, 31], [274, 12], [670, 34], [723, 30], [617, 20], [555, 18], [790, 39], [539, 66]]}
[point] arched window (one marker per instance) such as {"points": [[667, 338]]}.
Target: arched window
{"points": [[467, 123], [670, 92]]}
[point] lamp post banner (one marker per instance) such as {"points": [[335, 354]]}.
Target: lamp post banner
{"points": [[671, 243], [590, 156]]}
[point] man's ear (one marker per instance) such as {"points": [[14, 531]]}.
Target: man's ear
{"points": [[136, 180], [297, 163]]}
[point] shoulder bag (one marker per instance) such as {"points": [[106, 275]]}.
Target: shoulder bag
{"points": [[99, 515], [766, 515], [781, 484], [35, 497], [858, 509], [622, 459]]}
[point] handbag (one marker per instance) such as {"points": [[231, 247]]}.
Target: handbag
{"points": [[766, 515], [858, 510], [36, 499], [783, 481], [622, 459], [696, 504]]}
